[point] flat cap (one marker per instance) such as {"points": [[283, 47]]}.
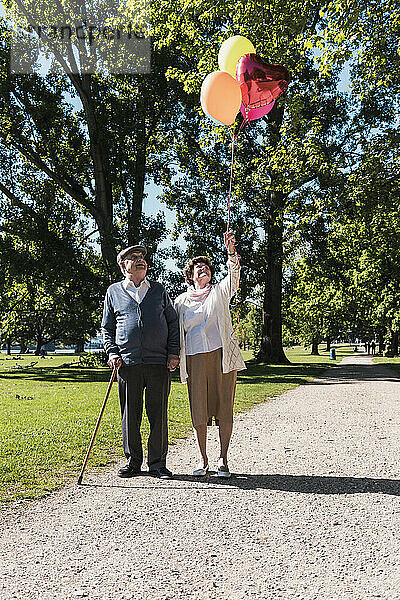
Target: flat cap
{"points": [[124, 253]]}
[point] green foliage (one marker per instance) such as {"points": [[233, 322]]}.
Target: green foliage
{"points": [[248, 327], [348, 276], [99, 137], [366, 33], [300, 146], [93, 360], [316, 183], [52, 290]]}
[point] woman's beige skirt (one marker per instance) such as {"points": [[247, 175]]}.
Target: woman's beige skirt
{"points": [[211, 392]]}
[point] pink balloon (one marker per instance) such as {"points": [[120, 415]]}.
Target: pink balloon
{"points": [[260, 82], [256, 113]]}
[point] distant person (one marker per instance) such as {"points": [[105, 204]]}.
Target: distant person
{"points": [[141, 337], [210, 354], [369, 347], [373, 346]]}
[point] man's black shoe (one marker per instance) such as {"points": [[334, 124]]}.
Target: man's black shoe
{"points": [[129, 471], [161, 473]]}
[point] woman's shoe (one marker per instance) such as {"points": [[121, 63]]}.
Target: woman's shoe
{"points": [[200, 471], [223, 470]]}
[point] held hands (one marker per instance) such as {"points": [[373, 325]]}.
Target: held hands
{"points": [[229, 239], [172, 362]]}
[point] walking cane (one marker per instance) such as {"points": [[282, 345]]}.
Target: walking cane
{"points": [[97, 424]]}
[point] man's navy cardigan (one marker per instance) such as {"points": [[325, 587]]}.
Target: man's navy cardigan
{"points": [[140, 333]]}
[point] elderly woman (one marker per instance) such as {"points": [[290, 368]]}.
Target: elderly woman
{"points": [[210, 355]]}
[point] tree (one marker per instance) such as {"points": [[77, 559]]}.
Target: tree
{"points": [[374, 190], [315, 298], [250, 328], [53, 285], [364, 33], [348, 271], [96, 136], [303, 142]]}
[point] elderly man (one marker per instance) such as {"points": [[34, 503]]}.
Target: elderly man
{"points": [[141, 336]]}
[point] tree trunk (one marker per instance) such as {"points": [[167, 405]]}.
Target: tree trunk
{"points": [[328, 344], [80, 346], [102, 175], [381, 343], [8, 342], [395, 343], [39, 344], [23, 347], [271, 350], [314, 347], [107, 245], [135, 212]]}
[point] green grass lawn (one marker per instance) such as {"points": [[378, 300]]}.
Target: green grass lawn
{"points": [[393, 363], [48, 411]]}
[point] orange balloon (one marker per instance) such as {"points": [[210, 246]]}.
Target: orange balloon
{"points": [[221, 97]]}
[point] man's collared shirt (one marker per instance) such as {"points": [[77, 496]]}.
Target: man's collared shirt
{"points": [[137, 293]]}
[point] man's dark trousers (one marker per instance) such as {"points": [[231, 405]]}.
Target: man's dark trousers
{"points": [[155, 382]]}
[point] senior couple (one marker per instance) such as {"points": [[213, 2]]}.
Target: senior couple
{"points": [[146, 338]]}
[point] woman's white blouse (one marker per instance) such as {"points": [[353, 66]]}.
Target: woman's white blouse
{"points": [[217, 304], [201, 326]]}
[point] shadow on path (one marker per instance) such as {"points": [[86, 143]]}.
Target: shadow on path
{"points": [[55, 374], [325, 373], [304, 484], [355, 373]]}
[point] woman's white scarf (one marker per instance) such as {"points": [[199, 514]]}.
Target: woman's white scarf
{"points": [[199, 295]]}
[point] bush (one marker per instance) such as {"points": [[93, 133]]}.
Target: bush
{"points": [[93, 359]]}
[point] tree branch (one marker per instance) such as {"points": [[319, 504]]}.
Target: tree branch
{"points": [[67, 68], [15, 200], [72, 189], [316, 18]]}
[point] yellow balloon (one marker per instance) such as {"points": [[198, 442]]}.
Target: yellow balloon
{"points": [[231, 50]]}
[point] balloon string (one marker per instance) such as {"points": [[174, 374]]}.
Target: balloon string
{"points": [[233, 138], [236, 256], [230, 182]]}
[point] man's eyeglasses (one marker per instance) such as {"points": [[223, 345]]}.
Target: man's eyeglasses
{"points": [[134, 258]]}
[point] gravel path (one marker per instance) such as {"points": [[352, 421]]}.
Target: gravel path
{"points": [[313, 512]]}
